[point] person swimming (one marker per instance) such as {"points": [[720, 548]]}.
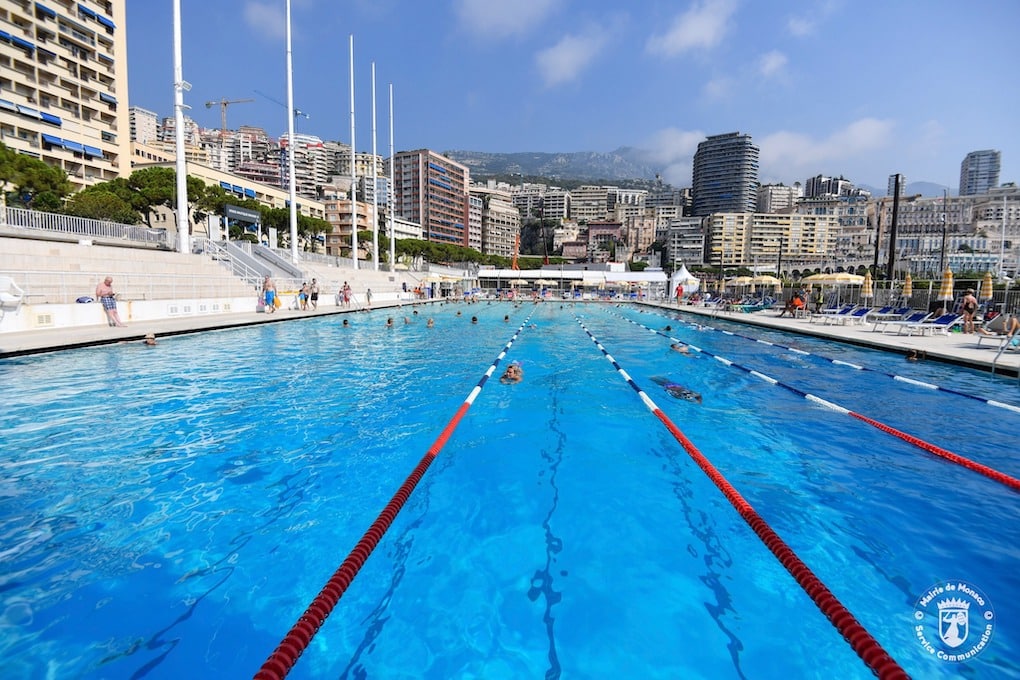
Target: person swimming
{"points": [[513, 373], [677, 390]]}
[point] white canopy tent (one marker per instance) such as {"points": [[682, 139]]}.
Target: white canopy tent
{"points": [[684, 278]]}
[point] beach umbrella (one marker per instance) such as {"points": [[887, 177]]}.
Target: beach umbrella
{"points": [[946, 291], [986, 287], [908, 286], [866, 290], [765, 279], [837, 279]]}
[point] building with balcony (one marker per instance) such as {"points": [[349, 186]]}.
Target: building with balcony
{"points": [[725, 177], [432, 190], [63, 86], [979, 172], [773, 198]]}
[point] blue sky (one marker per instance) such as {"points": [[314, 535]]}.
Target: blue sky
{"points": [[864, 89]]}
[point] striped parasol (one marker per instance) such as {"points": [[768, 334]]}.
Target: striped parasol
{"points": [[867, 290], [986, 287], [908, 286], [946, 291]]}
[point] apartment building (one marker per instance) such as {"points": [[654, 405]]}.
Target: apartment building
{"points": [[725, 177], [743, 239], [63, 86], [500, 220], [774, 198], [432, 190], [590, 203], [144, 125], [979, 172]]}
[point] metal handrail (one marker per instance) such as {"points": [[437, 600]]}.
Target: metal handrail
{"points": [[84, 227]]}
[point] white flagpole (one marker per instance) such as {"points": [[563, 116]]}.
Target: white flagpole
{"points": [[180, 85], [354, 178], [375, 186], [290, 145], [391, 193]]}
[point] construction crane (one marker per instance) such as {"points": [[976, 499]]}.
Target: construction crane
{"points": [[223, 104], [298, 113]]}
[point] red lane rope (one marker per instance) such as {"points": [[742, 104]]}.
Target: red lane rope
{"points": [[861, 641], [1002, 477], [974, 466], [286, 654]]}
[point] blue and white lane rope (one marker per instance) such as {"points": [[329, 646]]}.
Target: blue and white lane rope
{"points": [[857, 367], [859, 639], [286, 654], [945, 454]]}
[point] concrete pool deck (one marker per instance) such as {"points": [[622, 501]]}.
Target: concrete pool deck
{"points": [[954, 348]]}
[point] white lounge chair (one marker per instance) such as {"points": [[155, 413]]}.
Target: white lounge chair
{"points": [[11, 296]]}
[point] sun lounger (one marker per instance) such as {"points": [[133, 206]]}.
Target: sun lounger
{"points": [[994, 330], [939, 326], [891, 315], [832, 312], [858, 316], [914, 318]]}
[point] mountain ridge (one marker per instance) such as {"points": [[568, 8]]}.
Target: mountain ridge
{"points": [[625, 164]]}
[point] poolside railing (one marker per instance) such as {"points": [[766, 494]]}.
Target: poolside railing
{"points": [[84, 228]]}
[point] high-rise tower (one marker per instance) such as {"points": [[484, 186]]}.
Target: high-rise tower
{"points": [[979, 172], [725, 175]]}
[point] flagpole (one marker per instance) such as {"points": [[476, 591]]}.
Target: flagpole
{"points": [[392, 198], [290, 145], [375, 186], [354, 178], [180, 86]]}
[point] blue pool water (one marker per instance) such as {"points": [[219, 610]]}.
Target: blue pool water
{"points": [[171, 511]]}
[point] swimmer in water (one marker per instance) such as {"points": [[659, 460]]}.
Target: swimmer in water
{"points": [[677, 347], [513, 373], [677, 390]]}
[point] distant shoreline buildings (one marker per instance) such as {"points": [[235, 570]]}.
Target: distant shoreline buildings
{"points": [[65, 98]]}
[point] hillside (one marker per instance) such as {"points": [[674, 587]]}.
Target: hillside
{"points": [[585, 166]]}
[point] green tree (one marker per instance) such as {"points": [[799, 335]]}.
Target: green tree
{"points": [[30, 183], [100, 203]]}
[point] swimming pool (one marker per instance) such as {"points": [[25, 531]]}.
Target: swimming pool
{"points": [[172, 510]]}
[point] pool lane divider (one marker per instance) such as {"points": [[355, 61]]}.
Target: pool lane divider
{"points": [[286, 654], [972, 465], [860, 640], [856, 367]]}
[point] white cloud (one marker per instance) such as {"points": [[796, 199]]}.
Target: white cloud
{"points": [[786, 155], [800, 26], [718, 88], [267, 18], [673, 150], [565, 60], [485, 19], [807, 23], [703, 26], [772, 64]]}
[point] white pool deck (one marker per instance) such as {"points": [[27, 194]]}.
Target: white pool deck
{"points": [[956, 348]]}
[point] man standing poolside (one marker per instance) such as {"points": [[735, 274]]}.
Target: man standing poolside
{"points": [[313, 292], [105, 294]]}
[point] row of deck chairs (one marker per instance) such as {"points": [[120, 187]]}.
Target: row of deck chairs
{"points": [[903, 319]]}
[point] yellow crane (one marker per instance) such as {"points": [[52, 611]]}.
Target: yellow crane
{"points": [[223, 104]]}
